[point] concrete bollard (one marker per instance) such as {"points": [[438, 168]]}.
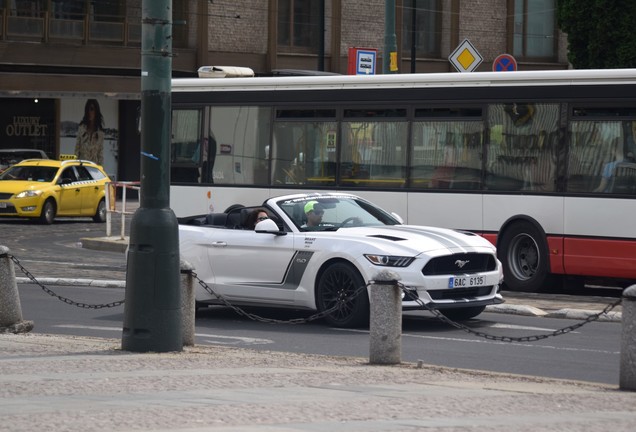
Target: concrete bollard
{"points": [[385, 324], [10, 309], [188, 308], [628, 341]]}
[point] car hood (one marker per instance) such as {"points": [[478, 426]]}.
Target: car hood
{"points": [[420, 239], [17, 186]]}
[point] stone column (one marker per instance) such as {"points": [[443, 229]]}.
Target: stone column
{"points": [[10, 309], [385, 324], [628, 341], [188, 306]]}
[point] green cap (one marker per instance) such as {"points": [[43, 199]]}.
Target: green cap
{"points": [[310, 206]]}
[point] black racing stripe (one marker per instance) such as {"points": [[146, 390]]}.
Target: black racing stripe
{"points": [[296, 269], [293, 275]]}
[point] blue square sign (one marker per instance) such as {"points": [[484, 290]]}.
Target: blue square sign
{"points": [[365, 62]]}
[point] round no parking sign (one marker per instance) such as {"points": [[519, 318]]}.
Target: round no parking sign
{"points": [[504, 63]]}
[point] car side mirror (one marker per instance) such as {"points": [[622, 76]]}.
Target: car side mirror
{"points": [[268, 226], [66, 181], [398, 217]]}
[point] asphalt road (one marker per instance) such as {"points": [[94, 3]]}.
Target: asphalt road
{"points": [[590, 353]]}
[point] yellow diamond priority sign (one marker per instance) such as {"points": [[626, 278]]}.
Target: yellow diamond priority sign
{"points": [[465, 58]]}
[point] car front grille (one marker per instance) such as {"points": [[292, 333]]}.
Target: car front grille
{"points": [[465, 263], [10, 209], [459, 293], [5, 195]]}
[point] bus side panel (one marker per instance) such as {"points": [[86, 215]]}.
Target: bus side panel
{"points": [[555, 251], [600, 217], [600, 237], [455, 211], [600, 257]]}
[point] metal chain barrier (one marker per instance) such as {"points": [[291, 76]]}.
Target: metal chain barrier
{"points": [[424, 306], [254, 317], [532, 338], [59, 297], [407, 295]]}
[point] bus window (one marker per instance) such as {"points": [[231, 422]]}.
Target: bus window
{"points": [[447, 154], [239, 145], [373, 151], [523, 147], [304, 152], [185, 149], [601, 158]]}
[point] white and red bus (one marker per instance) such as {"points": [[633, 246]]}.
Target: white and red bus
{"points": [[540, 163]]}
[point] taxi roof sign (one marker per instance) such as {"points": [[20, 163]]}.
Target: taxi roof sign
{"points": [[67, 156], [465, 58]]}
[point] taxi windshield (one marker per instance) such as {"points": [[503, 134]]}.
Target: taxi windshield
{"points": [[29, 173]]}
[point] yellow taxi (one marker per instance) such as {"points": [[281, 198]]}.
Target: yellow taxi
{"points": [[44, 188]]}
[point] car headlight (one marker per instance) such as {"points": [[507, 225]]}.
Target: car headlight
{"points": [[29, 193], [389, 260]]}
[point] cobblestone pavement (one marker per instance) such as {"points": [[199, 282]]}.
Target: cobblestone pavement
{"points": [[65, 383]]}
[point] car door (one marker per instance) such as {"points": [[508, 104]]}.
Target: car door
{"points": [[70, 198], [89, 191], [250, 266]]}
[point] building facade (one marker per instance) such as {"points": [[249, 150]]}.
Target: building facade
{"points": [[60, 57]]}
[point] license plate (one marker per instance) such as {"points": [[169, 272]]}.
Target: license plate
{"points": [[3, 205], [466, 281]]}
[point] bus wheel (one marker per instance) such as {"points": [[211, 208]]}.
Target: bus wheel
{"points": [[523, 252], [336, 286]]}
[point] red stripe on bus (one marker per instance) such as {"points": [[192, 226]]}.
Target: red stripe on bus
{"points": [[555, 251], [588, 256], [600, 257]]}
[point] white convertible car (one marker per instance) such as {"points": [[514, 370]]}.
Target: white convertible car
{"points": [[286, 262]]}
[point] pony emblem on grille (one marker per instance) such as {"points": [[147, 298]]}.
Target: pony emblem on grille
{"points": [[461, 263]]}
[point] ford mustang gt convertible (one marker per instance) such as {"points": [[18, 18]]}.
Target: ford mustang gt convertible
{"points": [[314, 251]]}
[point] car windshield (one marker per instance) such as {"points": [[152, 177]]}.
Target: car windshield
{"points": [[331, 213], [29, 173]]}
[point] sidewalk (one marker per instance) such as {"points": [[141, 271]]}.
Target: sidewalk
{"points": [[64, 383]]}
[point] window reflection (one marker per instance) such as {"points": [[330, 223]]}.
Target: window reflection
{"points": [[304, 152], [601, 157], [447, 155], [523, 149], [373, 153]]}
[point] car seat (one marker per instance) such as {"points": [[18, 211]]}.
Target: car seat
{"points": [[233, 219], [216, 219], [244, 216]]}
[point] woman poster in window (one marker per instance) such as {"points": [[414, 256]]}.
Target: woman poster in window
{"points": [[90, 134]]}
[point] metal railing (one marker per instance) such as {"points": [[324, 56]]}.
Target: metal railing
{"points": [[111, 204]]}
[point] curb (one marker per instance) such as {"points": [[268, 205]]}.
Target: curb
{"points": [[109, 244], [75, 282], [567, 313]]}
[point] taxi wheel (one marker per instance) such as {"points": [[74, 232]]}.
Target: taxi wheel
{"points": [[47, 216], [100, 214]]}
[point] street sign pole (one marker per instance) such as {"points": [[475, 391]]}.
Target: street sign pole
{"points": [[389, 57], [152, 309]]}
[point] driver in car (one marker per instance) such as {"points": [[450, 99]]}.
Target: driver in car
{"points": [[314, 212]]}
